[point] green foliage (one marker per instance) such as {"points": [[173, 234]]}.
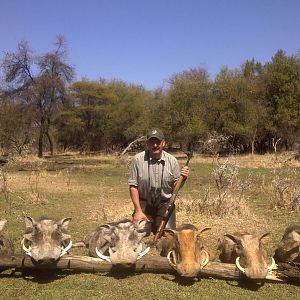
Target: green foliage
{"points": [[186, 106], [254, 104], [282, 80], [125, 114], [86, 108], [108, 113], [237, 109]]}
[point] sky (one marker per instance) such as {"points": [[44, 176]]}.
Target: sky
{"points": [[145, 42]]}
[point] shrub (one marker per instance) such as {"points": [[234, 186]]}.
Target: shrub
{"points": [[223, 195]]}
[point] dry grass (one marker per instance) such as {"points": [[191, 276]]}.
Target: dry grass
{"points": [[256, 161], [93, 190], [253, 224]]}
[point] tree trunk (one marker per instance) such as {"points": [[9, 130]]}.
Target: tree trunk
{"points": [[253, 141], [284, 273], [41, 138], [50, 142]]}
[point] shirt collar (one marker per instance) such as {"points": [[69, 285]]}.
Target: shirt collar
{"points": [[161, 160]]}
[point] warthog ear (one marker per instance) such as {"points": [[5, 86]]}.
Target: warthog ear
{"points": [[233, 238], [264, 235], [169, 232], [205, 229], [29, 222], [2, 224], [64, 223]]}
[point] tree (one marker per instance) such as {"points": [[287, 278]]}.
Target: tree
{"points": [[187, 102], [236, 108], [40, 82], [282, 80], [15, 127], [85, 114], [127, 113]]}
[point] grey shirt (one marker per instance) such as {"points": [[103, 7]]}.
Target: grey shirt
{"points": [[146, 173]]}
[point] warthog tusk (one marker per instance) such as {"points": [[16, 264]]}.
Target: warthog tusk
{"points": [[202, 265], [143, 253], [102, 256], [237, 262], [26, 250], [172, 264], [65, 250], [272, 266]]}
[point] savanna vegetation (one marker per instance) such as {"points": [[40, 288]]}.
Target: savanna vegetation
{"points": [[42, 108], [257, 193], [58, 143]]}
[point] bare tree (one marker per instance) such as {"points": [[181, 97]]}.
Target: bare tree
{"points": [[40, 81]]}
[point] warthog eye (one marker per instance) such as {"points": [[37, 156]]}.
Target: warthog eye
{"points": [[56, 235]]}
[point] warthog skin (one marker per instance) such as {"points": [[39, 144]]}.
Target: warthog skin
{"points": [[6, 245], [288, 249], [119, 241], [185, 249], [249, 249], [46, 238]]}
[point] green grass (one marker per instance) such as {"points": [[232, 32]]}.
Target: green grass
{"points": [[139, 286], [95, 193]]}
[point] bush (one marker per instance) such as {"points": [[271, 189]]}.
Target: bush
{"points": [[223, 195]]}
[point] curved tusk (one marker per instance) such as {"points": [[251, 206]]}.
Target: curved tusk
{"points": [[272, 266], [143, 253], [172, 264], [102, 256], [202, 265], [237, 262], [26, 250], [66, 249]]}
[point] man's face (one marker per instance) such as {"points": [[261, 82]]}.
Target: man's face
{"points": [[155, 147]]}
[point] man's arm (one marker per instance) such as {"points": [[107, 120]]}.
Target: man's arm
{"points": [[135, 197]]}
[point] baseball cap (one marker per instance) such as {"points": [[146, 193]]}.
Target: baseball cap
{"points": [[155, 133]]}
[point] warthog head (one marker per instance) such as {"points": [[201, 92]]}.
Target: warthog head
{"points": [[118, 243], [46, 240], [185, 249], [288, 249], [6, 246], [247, 252]]}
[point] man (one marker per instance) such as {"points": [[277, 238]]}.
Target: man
{"points": [[152, 177]]}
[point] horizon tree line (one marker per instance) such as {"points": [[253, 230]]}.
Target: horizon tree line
{"points": [[42, 108]]}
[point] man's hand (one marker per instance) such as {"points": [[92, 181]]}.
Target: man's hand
{"points": [[139, 215], [185, 171]]}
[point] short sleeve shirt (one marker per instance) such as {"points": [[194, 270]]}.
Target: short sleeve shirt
{"points": [[146, 173]]}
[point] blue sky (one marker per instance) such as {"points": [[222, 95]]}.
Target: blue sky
{"points": [[147, 41]]}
